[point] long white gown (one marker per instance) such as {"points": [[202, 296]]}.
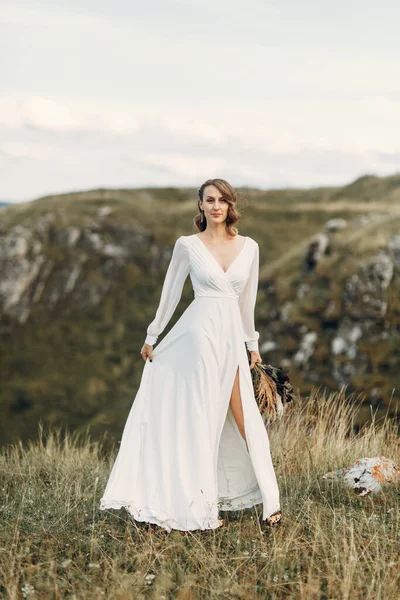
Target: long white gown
{"points": [[182, 457]]}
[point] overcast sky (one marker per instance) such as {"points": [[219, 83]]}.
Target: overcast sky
{"points": [[95, 93]]}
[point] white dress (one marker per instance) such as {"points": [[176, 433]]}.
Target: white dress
{"points": [[182, 457]]}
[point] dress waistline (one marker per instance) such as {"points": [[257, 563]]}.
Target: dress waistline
{"points": [[216, 295]]}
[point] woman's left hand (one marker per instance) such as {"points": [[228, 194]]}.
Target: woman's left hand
{"points": [[255, 358]]}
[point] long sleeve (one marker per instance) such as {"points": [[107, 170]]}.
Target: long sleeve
{"points": [[247, 303], [177, 272]]}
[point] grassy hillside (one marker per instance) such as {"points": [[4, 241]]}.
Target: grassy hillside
{"points": [[81, 276], [332, 543]]}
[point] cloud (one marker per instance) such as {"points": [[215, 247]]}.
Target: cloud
{"points": [[31, 151], [49, 17], [194, 129], [182, 166], [49, 115]]}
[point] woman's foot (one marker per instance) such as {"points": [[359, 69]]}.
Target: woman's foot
{"points": [[274, 519], [220, 522]]}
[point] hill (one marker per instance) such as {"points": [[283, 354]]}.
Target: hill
{"points": [[82, 275]]}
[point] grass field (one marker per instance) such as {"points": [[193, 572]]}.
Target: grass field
{"points": [[56, 543]]}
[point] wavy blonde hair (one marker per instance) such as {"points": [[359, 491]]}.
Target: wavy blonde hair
{"points": [[230, 195]]}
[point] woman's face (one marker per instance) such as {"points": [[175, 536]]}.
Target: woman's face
{"points": [[214, 205]]}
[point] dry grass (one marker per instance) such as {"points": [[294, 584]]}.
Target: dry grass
{"points": [[56, 543]]}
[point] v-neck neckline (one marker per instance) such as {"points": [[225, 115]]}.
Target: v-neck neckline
{"points": [[215, 260]]}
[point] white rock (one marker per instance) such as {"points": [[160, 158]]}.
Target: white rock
{"points": [[268, 346], [94, 239], [17, 276], [394, 242], [285, 311], [334, 225], [16, 243], [73, 236], [104, 211], [72, 278], [383, 268], [113, 250], [368, 474], [339, 346], [306, 349]]}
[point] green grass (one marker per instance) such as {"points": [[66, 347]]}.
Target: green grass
{"points": [[332, 543]]}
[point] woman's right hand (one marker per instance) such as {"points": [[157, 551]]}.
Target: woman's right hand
{"points": [[147, 352]]}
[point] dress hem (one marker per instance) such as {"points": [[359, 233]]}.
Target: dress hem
{"points": [[150, 516]]}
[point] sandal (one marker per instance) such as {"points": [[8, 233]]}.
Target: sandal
{"points": [[273, 520]]}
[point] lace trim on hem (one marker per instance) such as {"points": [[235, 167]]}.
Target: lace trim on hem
{"points": [[150, 516]]}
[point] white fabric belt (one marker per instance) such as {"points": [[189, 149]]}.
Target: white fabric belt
{"points": [[216, 295]]}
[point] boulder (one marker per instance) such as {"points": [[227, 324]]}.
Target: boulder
{"points": [[334, 225], [368, 474]]}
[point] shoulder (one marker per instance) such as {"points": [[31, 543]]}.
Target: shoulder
{"points": [[181, 244], [185, 240], [252, 242], [181, 241]]}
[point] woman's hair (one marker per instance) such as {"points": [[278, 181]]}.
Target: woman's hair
{"points": [[229, 195]]}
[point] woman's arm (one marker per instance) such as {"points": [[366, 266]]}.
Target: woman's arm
{"points": [[177, 272], [247, 303]]}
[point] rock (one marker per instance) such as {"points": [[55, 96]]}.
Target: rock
{"points": [[345, 341], [268, 346], [72, 278], [67, 237], [16, 243], [285, 311], [92, 241], [42, 261], [302, 290], [362, 220], [318, 247], [364, 291], [368, 474], [104, 211], [334, 225], [112, 250], [339, 346], [17, 277], [306, 349], [394, 245]]}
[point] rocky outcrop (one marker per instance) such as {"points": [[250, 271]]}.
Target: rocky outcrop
{"points": [[364, 291], [43, 262], [340, 326]]}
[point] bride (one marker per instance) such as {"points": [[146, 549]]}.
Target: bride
{"points": [[194, 442]]}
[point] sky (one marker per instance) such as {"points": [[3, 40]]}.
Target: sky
{"points": [[265, 94]]}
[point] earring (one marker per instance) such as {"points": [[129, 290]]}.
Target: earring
{"points": [[202, 216]]}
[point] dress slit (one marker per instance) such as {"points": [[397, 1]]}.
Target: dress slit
{"points": [[233, 455], [241, 403], [226, 413]]}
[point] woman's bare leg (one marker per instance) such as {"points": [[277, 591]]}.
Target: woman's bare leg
{"points": [[237, 408]]}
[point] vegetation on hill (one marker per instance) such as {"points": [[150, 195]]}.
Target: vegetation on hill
{"points": [[81, 276]]}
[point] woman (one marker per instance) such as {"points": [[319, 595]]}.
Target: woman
{"points": [[194, 441]]}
